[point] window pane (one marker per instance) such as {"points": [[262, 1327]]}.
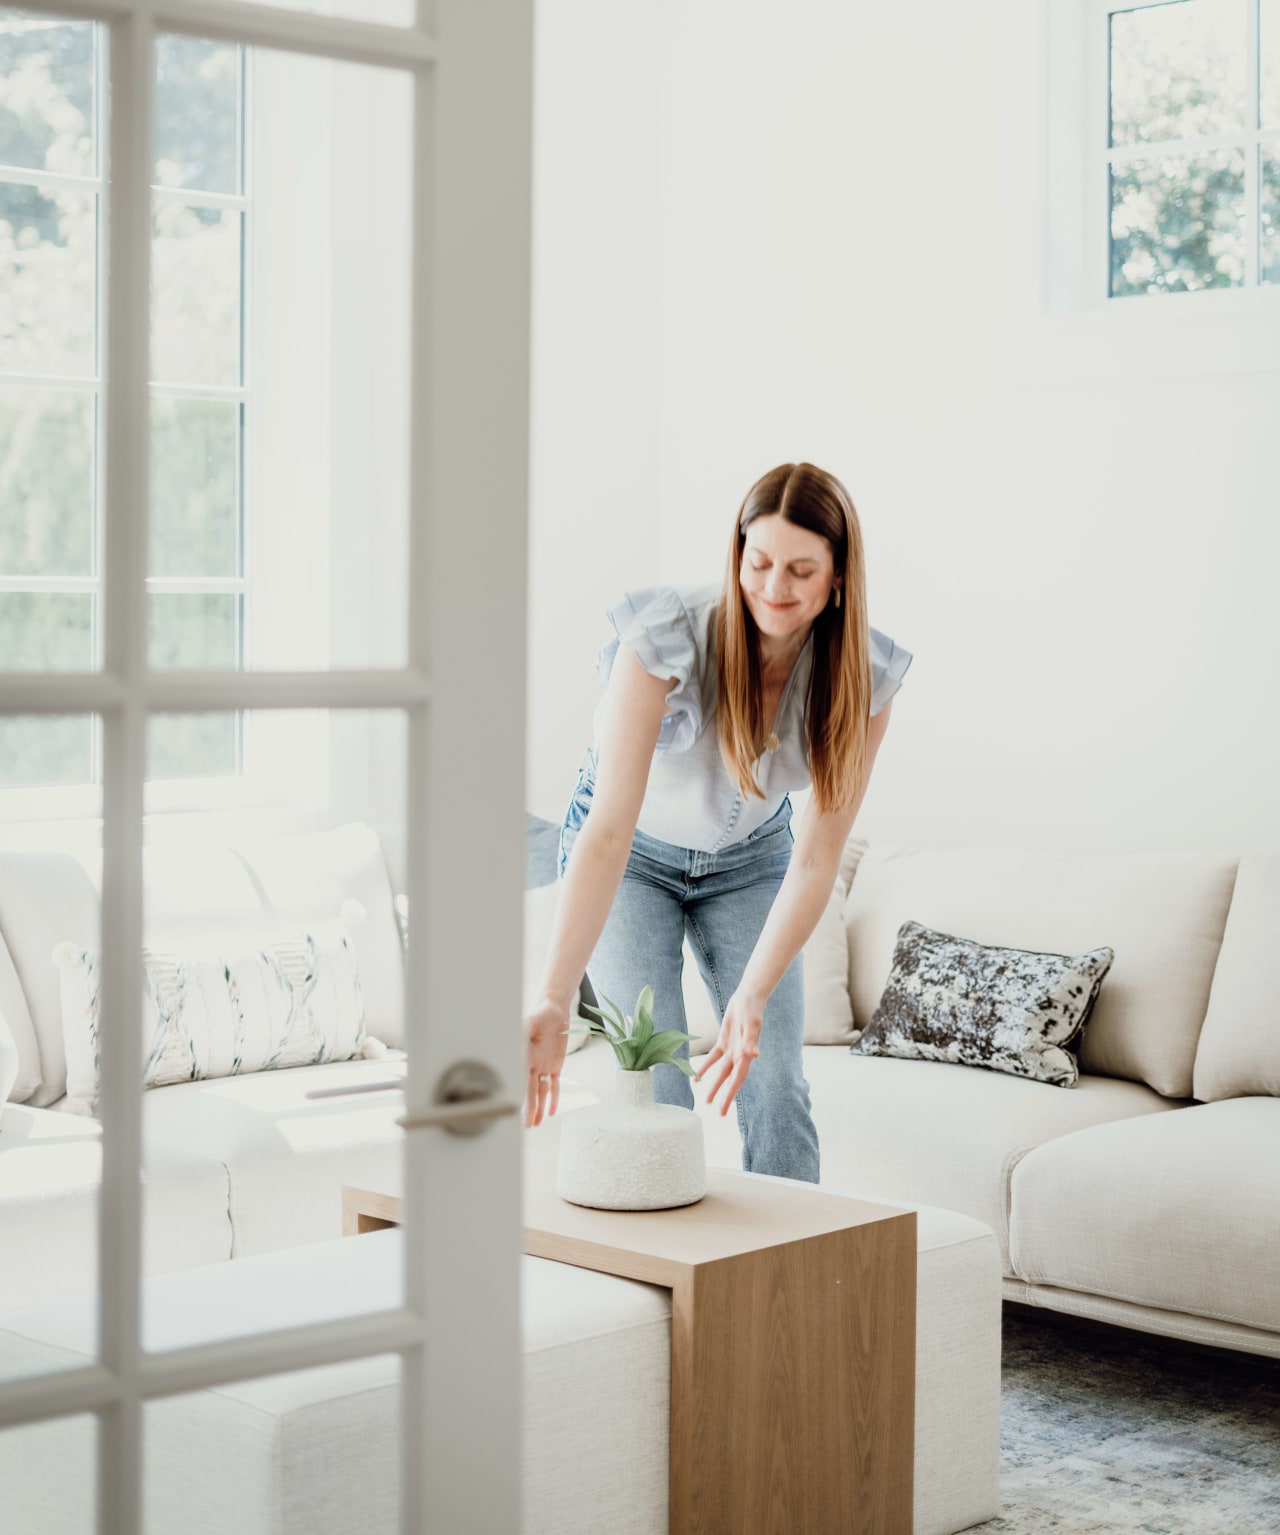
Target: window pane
{"points": [[199, 629], [46, 749], [46, 631], [197, 114], [192, 746], [1177, 224], [1177, 71], [1270, 218], [46, 94], [195, 294], [193, 488], [1269, 63], [46, 483], [47, 241]]}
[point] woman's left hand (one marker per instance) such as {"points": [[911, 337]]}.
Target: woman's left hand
{"points": [[736, 1046]]}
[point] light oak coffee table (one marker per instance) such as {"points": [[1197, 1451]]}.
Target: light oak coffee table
{"points": [[792, 1342]]}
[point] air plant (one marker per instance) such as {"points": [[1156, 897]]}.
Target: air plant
{"points": [[637, 1044]]}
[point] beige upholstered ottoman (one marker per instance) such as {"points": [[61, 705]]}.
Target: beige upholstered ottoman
{"points": [[315, 1453]]}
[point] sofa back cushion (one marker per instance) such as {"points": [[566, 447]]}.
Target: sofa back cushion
{"points": [[1162, 913], [306, 877], [1239, 1050], [45, 899]]}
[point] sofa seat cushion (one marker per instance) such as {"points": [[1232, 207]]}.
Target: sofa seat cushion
{"points": [[1179, 1211], [286, 1157], [912, 1131], [50, 1173]]}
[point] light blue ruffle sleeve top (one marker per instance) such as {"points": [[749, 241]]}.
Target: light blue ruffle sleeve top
{"points": [[692, 800]]}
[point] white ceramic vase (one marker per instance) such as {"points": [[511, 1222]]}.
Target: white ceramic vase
{"points": [[632, 1153]]}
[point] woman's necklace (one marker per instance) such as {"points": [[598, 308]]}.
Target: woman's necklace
{"points": [[772, 741]]}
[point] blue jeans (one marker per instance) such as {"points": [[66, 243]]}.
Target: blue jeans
{"points": [[720, 900]]}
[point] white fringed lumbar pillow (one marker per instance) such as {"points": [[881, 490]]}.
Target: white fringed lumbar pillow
{"points": [[293, 1000]]}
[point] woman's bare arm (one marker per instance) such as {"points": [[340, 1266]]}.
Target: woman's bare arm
{"points": [[634, 706]]}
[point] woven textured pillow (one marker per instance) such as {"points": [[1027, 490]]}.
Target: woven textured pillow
{"points": [[1010, 1010], [293, 1000]]}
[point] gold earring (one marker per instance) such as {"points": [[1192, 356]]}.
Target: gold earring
{"points": [[837, 596]]}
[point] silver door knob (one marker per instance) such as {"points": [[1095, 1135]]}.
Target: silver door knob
{"points": [[467, 1098]]}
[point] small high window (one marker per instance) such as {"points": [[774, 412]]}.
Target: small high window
{"points": [[1193, 145]]}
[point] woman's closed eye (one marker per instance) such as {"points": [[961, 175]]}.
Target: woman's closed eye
{"points": [[801, 573]]}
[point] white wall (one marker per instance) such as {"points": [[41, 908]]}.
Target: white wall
{"points": [[594, 518], [1071, 520]]}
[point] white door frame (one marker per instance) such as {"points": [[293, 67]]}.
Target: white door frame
{"points": [[464, 695]]}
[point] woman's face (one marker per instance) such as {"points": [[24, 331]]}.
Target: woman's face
{"points": [[786, 576]]}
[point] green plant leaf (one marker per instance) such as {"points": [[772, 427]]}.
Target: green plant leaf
{"points": [[662, 1047], [642, 1028], [628, 1055], [686, 1068], [613, 1013]]}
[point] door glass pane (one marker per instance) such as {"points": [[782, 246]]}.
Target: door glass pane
{"points": [[267, 1454], [324, 444], [46, 482], [198, 630], [50, 1162], [1177, 71], [197, 114], [195, 293], [45, 751], [194, 488], [275, 966], [47, 255], [390, 13], [46, 631], [49, 1472], [1269, 63], [46, 94], [1271, 217], [1177, 223], [193, 746]]}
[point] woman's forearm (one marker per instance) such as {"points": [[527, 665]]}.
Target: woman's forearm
{"points": [[591, 880], [805, 891]]}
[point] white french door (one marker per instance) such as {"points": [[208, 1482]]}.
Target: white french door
{"points": [[461, 691]]}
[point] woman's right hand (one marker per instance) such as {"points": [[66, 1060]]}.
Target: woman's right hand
{"points": [[545, 1046]]}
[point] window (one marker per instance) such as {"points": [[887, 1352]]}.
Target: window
{"points": [[52, 260], [1193, 146]]}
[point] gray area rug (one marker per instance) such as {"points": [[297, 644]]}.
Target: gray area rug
{"points": [[1106, 1430]]}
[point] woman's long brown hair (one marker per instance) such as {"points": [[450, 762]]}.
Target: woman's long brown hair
{"points": [[839, 699]]}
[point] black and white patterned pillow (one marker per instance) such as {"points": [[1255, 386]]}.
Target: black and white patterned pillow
{"points": [[1010, 1010]]}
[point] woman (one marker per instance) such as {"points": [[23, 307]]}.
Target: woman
{"points": [[717, 703]]}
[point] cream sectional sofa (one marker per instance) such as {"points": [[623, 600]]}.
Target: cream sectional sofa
{"points": [[1148, 1195], [251, 1168]]}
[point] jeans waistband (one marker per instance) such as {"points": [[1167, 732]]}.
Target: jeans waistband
{"points": [[694, 861]]}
